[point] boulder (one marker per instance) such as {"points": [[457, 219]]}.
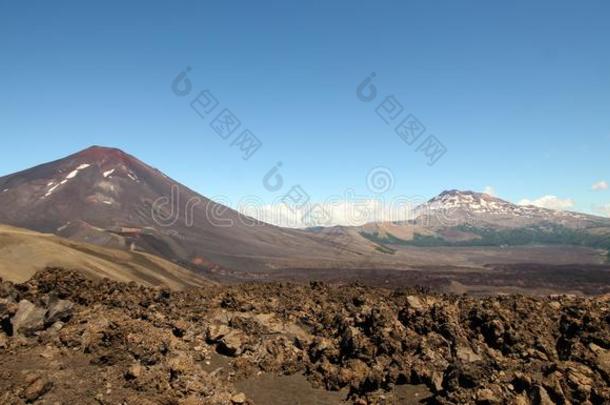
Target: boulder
{"points": [[232, 343], [59, 310], [415, 302], [134, 372], [486, 396], [436, 381], [216, 332], [7, 308], [602, 357], [239, 398], [359, 372], [28, 319], [580, 379], [466, 355], [55, 328], [520, 400], [180, 328], [540, 396], [36, 389]]}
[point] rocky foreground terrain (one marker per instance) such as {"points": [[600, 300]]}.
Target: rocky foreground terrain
{"points": [[69, 340]]}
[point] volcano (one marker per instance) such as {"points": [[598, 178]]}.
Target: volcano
{"points": [[107, 197]]}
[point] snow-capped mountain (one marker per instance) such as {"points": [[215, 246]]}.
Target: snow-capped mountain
{"points": [[455, 207], [470, 219]]}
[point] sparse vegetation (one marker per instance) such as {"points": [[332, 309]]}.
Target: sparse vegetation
{"points": [[547, 234], [385, 249]]}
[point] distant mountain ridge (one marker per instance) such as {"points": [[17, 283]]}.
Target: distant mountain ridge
{"points": [[107, 197], [463, 206], [466, 218]]}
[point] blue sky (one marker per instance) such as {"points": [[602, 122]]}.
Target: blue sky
{"points": [[517, 92]]}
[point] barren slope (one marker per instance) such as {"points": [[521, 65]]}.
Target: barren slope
{"points": [[24, 252]]}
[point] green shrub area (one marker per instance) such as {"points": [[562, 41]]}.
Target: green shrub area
{"points": [[385, 249], [546, 234]]}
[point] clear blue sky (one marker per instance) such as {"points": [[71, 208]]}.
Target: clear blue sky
{"points": [[519, 92]]}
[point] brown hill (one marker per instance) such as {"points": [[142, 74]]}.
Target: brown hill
{"points": [[23, 253]]}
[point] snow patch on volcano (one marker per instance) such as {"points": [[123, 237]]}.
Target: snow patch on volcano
{"points": [[70, 175]]}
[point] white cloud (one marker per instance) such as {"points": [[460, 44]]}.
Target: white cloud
{"points": [[348, 212], [602, 210], [549, 201], [490, 191], [600, 185]]}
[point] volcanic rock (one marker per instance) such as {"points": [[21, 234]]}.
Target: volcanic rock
{"points": [[239, 398], [37, 388], [123, 343], [28, 319], [58, 310], [232, 343]]}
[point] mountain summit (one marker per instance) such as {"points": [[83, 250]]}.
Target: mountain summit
{"points": [[92, 185], [108, 197], [480, 208]]}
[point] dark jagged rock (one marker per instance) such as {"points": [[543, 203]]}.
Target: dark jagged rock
{"points": [[128, 344]]}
